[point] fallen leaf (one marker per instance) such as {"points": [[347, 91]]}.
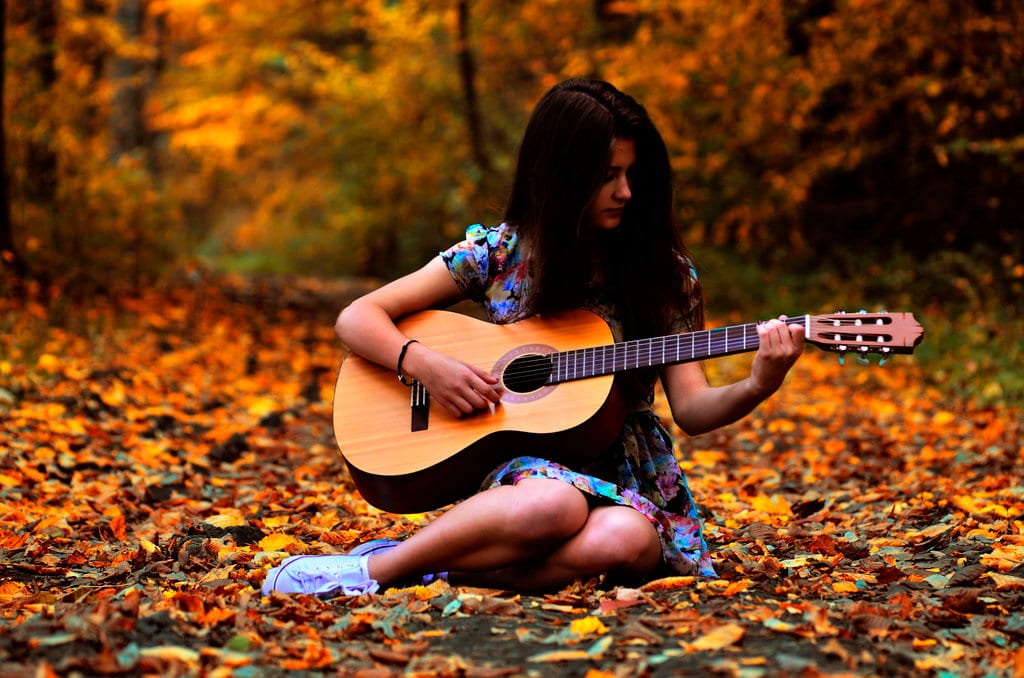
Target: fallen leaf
{"points": [[717, 638]]}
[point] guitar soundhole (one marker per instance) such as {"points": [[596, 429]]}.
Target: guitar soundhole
{"points": [[527, 373]]}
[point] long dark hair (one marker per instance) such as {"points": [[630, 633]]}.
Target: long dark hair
{"points": [[563, 160]]}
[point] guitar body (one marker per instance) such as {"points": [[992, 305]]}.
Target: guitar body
{"points": [[405, 471]]}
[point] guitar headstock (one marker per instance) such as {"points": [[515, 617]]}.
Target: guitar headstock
{"points": [[865, 333]]}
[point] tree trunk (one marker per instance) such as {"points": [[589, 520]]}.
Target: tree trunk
{"points": [[9, 258], [41, 160], [127, 132], [467, 69]]}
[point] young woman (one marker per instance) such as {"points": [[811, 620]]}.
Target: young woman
{"points": [[588, 225]]}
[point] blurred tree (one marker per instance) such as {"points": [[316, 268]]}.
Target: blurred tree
{"points": [[360, 136], [86, 215], [927, 108], [35, 177], [127, 127], [9, 257]]}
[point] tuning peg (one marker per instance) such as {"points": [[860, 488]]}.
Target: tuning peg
{"points": [[842, 358], [863, 359], [882, 361]]}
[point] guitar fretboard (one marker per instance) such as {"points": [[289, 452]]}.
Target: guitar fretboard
{"points": [[668, 350]]}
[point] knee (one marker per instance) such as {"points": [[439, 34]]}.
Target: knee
{"points": [[623, 540], [544, 510]]}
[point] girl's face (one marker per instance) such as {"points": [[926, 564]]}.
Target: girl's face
{"points": [[605, 209]]}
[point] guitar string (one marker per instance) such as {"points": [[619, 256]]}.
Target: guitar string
{"points": [[718, 340]]}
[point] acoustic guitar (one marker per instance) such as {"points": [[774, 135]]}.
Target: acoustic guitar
{"points": [[559, 403]]}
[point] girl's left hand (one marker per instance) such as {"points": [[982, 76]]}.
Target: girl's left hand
{"points": [[780, 346]]}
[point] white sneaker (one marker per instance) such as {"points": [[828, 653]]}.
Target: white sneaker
{"points": [[320, 575]]}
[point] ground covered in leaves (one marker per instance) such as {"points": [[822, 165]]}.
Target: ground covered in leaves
{"points": [[156, 459]]}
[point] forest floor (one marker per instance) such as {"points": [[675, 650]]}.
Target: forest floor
{"points": [[159, 455]]}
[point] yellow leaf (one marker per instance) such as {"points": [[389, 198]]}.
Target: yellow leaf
{"points": [[48, 362], [262, 406], [723, 636], [971, 505], [943, 418], [232, 519], [586, 626], [775, 504], [281, 542], [844, 587], [114, 396], [708, 457]]}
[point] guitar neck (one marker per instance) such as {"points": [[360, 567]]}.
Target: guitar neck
{"points": [[672, 349]]}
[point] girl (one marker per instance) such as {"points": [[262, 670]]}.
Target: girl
{"points": [[588, 225]]}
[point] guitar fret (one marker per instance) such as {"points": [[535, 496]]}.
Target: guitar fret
{"points": [[621, 356]]}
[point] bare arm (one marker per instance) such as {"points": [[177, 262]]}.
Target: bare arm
{"points": [[367, 326], [698, 407]]}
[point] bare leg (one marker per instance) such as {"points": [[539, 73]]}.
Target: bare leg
{"points": [[615, 539], [491, 530]]}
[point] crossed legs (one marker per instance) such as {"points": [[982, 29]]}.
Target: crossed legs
{"points": [[538, 534]]}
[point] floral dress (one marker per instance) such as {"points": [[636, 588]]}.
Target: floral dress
{"points": [[640, 469]]}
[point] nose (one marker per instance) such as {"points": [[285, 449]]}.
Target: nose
{"points": [[622, 189]]}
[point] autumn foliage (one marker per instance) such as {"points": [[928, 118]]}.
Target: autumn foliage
{"points": [[165, 430], [159, 457], [353, 136]]}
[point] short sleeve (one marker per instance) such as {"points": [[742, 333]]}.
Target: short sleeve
{"points": [[487, 267], [469, 262]]}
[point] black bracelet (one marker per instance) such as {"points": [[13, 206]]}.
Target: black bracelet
{"points": [[401, 357]]}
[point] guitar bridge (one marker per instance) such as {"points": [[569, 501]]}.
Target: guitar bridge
{"points": [[419, 407]]}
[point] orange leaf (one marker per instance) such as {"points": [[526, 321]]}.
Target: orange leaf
{"points": [[668, 583], [215, 615], [737, 587], [723, 636], [1006, 582], [118, 527]]}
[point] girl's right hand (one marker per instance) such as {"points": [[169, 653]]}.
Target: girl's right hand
{"points": [[459, 388]]}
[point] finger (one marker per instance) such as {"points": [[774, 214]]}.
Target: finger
{"points": [[767, 339], [476, 400], [489, 393], [488, 385], [797, 333], [459, 406]]}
